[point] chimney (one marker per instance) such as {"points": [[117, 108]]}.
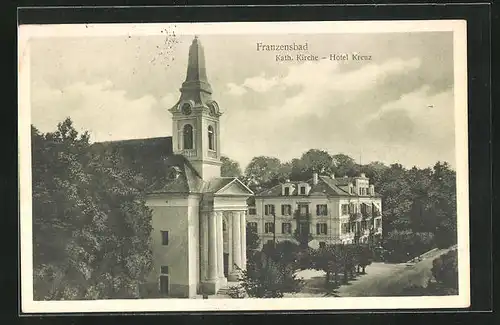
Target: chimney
{"points": [[315, 178]]}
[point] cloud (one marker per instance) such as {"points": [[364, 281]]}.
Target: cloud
{"points": [[105, 112], [235, 90], [334, 110]]}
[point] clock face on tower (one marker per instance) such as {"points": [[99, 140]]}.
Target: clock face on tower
{"points": [[186, 109]]}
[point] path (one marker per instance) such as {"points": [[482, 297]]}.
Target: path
{"points": [[381, 279]]}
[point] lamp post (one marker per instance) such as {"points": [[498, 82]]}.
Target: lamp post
{"points": [[274, 230]]}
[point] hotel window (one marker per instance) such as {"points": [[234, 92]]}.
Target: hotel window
{"points": [[252, 226], [269, 209], [188, 136], [286, 209], [287, 190], [321, 210], [378, 223], [352, 189], [224, 227], [269, 228], [302, 190], [322, 244], [252, 211], [345, 228], [345, 209], [164, 287], [164, 237], [286, 228], [321, 229], [303, 209], [211, 142]]}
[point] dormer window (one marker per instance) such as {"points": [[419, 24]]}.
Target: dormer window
{"points": [[302, 190], [287, 191]]}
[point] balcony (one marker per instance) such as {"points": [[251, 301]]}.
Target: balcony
{"points": [[188, 152], [212, 154]]}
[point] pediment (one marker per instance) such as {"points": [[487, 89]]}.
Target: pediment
{"points": [[234, 188]]}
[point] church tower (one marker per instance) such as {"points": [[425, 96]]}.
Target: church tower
{"points": [[195, 118]]}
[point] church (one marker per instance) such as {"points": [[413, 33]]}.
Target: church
{"points": [[198, 217]]}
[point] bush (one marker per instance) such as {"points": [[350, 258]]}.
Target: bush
{"points": [[445, 270], [402, 245]]}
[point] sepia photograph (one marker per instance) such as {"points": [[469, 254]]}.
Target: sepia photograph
{"points": [[243, 166]]}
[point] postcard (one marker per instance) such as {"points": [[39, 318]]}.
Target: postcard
{"points": [[257, 166]]}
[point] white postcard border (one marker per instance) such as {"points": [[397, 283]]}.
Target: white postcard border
{"points": [[28, 305]]}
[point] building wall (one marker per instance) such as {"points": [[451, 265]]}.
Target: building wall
{"points": [[179, 216]]}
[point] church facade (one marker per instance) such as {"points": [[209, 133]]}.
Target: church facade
{"points": [[198, 217]]}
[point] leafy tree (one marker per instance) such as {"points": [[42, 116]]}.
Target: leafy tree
{"points": [[230, 168], [327, 259], [91, 226], [253, 241], [318, 161], [345, 165], [263, 172], [264, 278]]}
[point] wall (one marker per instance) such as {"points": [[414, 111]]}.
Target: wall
{"points": [[180, 218]]}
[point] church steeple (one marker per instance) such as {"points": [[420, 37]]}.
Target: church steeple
{"points": [[195, 118], [196, 76]]}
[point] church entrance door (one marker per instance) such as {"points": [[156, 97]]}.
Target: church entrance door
{"points": [[226, 264]]}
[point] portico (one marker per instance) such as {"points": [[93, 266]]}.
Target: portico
{"points": [[223, 236]]}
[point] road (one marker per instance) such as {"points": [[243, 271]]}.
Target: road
{"points": [[381, 279]]}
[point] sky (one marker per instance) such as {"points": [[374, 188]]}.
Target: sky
{"points": [[397, 107]]}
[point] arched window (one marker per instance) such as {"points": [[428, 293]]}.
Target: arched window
{"points": [[211, 144], [188, 136]]}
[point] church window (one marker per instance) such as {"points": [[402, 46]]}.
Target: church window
{"points": [[188, 136], [211, 143], [164, 237]]}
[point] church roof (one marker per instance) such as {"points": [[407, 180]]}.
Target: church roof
{"points": [[163, 171]]}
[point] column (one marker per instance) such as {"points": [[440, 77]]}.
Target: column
{"points": [[204, 246], [220, 245], [230, 241], [236, 247], [243, 227], [212, 247]]}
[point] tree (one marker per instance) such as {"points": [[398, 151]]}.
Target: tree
{"points": [[264, 278], [263, 172], [91, 227], [445, 270], [345, 165], [318, 161], [253, 241], [230, 168], [328, 260]]}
